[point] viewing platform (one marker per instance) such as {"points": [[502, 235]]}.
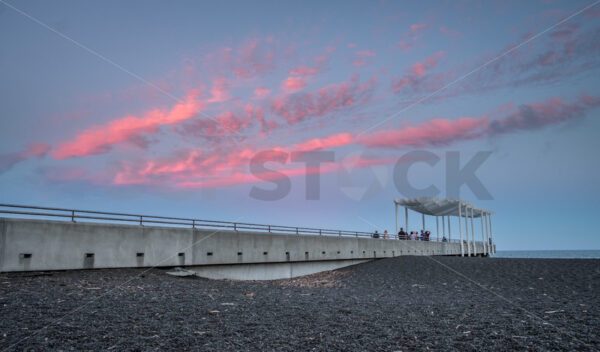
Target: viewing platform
{"points": [[41, 239]]}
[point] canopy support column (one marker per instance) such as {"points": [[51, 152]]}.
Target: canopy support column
{"points": [[462, 247], [473, 234], [423, 217], [437, 228], [450, 232], [482, 235], [406, 219], [492, 236], [467, 231], [487, 232], [396, 208], [443, 226]]}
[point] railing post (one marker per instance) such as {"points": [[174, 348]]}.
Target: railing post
{"points": [[234, 226], [141, 220], [269, 228], [72, 215], [356, 234], [193, 224], [320, 234], [340, 233], [297, 233]]}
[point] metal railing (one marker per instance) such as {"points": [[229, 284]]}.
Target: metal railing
{"points": [[78, 215]]}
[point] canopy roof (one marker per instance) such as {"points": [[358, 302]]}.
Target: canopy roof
{"points": [[440, 206]]}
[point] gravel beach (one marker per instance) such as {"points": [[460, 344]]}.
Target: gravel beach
{"points": [[403, 303]]}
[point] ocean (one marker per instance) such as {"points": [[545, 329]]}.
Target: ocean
{"points": [[564, 254]]}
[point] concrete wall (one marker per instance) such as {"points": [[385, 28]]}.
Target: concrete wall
{"points": [[57, 245], [271, 271]]}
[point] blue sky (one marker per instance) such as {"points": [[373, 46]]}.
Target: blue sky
{"points": [[160, 107]]}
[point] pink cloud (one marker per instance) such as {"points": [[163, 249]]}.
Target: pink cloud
{"points": [[100, 139], [435, 132], [352, 45], [219, 90], [565, 53], [252, 59], [38, 150], [304, 71], [417, 27], [293, 84], [335, 140], [366, 53], [538, 115], [405, 45], [323, 101], [452, 33], [362, 57], [261, 92], [224, 167], [419, 69], [415, 75]]}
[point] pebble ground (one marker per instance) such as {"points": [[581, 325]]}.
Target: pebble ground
{"points": [[396, 304]]}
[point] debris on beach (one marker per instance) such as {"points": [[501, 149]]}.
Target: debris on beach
{"points": [[181, 272]]}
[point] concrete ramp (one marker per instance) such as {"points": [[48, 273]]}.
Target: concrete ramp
{"points": [[30, 245]]}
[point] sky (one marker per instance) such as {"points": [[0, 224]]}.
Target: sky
{"points": [[309, 113]]}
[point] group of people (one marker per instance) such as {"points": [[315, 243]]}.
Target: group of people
{"points": [[402, 235], [414, 235]]}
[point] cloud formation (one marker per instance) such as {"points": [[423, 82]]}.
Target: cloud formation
{"points": [[7, 161], [100, 139]]}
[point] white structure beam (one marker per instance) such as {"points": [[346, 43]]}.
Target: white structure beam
{"points": [[406, 219], [492, 235], [467, 231], [396, 209], [437, 228], [482, 232], [462, 246], [473, 234]]}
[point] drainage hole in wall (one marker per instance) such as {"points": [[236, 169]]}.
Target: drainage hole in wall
{"points": [[208, 253], [338, 252], [239, 253], [181, 254], [89, 255], [323, 252], [25, 255], [139, 254], [265, 253]]}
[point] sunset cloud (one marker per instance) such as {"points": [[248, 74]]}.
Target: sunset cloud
{"points": [[100, 139], [293, 84], [37, 150], [435, 132], [363, 57], [335, 140], [261, 92], [320, 102]]}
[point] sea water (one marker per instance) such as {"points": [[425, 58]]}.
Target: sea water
{"points": [[565, 254]]}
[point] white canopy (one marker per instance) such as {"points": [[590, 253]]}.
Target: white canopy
{"points": [[440, 206], [445, 208]]}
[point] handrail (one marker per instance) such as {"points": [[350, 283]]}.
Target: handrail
{"points": [[79, 214]]}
